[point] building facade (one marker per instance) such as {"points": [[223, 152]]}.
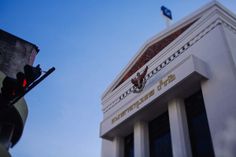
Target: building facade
{"points": [[187, 104], [15, 53]]}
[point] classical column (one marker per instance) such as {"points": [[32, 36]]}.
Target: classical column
{"points": [[118, 143], [179, 129], [141, 139]]}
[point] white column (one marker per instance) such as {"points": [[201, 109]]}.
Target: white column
{"points": [[141, 139], [179, 129], [118, 143]]}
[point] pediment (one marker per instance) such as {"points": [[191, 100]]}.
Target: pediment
{"points": [[151, 52]]}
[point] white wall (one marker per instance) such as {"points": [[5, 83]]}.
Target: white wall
{"points": [[219, 91], [107, 148]]}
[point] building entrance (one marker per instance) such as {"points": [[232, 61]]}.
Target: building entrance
{"points": [[159, 136]]}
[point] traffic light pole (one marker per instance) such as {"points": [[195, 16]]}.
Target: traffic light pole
{"points": [[32, 86]]}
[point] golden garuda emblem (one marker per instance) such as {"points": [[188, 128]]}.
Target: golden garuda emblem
{"points": [[139, 81]]}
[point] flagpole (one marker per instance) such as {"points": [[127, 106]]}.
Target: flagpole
{"points": [[168, 21]]}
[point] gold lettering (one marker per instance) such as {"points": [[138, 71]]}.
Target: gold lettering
{"points": [[138, 104], [130, 108], [152, 93], [146, 97], [161, 82], [114, 119], [159, 87], [133, 106], [166, 82], [172, 77], [123, 113], [142, 100]]}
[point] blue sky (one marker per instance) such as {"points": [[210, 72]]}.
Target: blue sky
{"points": [[89, 42]]}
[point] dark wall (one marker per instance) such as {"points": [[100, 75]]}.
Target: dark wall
{"points": [[15, 53]]}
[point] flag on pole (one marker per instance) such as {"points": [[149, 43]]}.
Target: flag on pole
{"points": [[166, 12]]}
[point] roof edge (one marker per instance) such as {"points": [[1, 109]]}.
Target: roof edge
{"points": [[14, 36]]}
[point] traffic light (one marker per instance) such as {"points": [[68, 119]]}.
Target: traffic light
{"points": [[13, 88], [20, 76], [31, 74]]}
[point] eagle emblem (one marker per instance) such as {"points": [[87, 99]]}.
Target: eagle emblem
{"points": [[139, 81]]}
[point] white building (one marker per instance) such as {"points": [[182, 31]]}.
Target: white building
{"points": [[188, 104]]}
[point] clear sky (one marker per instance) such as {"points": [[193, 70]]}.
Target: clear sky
{"points": [[89, 42]]}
